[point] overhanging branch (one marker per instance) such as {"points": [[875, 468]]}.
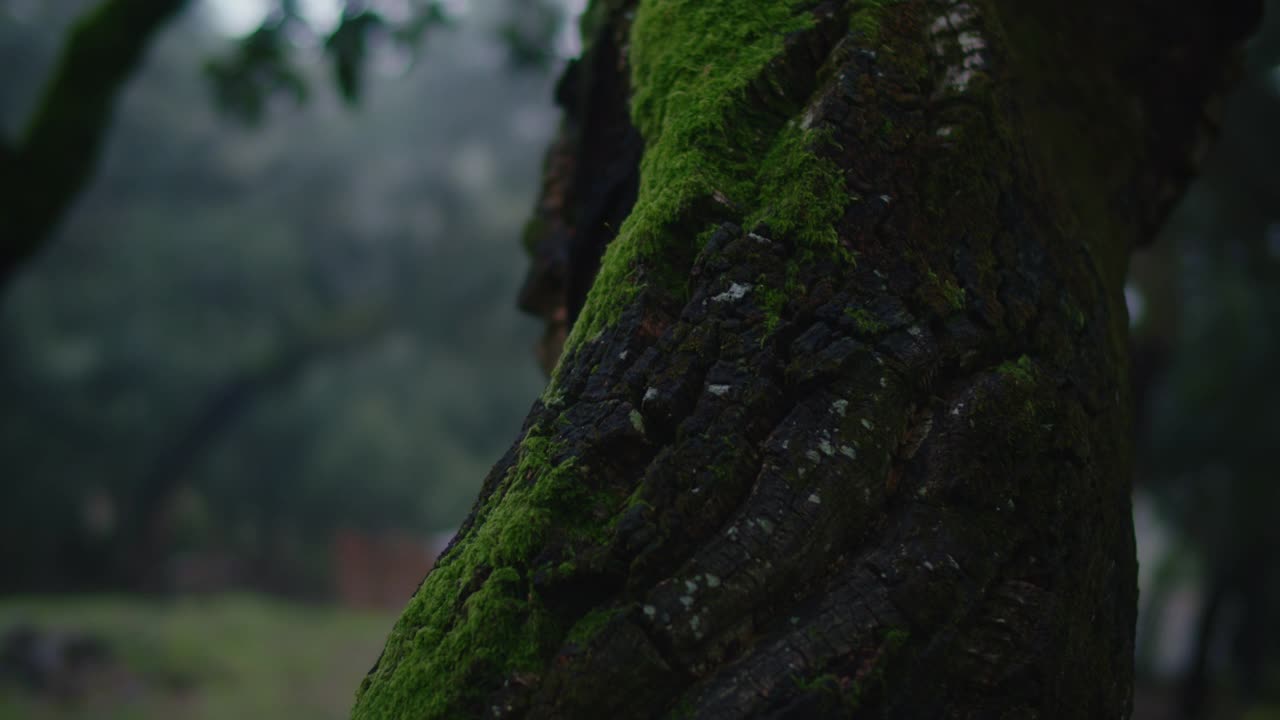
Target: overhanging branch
{"points": [[55, 155]]}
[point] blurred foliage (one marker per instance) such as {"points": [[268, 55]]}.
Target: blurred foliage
{"points": [[1207, 458], [262, 66], [1217, 421], [204, 255], [530, 33], [263, 63], [259, 68]]}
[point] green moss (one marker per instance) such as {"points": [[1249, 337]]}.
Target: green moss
{"points": [[1023, 371], [864, 320], [865, 22], [772, 299], [897, 638], [954, 295], [476, 619], [799, 195], [709, 145], [591, 624]]}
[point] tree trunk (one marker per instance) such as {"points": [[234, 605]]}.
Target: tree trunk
{"points": [[843, 426]]}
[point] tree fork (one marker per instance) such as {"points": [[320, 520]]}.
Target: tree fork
{"points": [[843, 427]]}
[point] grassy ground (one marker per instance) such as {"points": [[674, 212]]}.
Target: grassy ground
{"points": [[231, 656]]}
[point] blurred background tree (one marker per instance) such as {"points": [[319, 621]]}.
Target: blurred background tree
{"points": [[1206, 315], [293, 327]]}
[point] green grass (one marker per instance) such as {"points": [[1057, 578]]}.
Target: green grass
{"points": [[230, 656]]}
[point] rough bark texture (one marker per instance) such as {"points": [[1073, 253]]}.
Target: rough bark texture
{"points": [[842, 429]]}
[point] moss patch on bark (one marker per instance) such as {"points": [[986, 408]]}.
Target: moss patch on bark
{"points": [[711, 148]]}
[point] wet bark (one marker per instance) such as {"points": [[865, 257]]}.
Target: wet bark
{"points": [[864, 463]]}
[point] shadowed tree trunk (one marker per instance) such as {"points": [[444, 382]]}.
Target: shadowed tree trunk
{"points": [[843, 425]]}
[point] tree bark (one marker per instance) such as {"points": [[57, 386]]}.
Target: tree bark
{"points": [[843, 426]]}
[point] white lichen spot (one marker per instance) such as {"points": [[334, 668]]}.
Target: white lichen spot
{"points": [[694, 623], [915, 331], [651, 394], [795, 620], [928, 566], [886, 199], [637, 421], [812, 455], [712, 580], [839, 407], [718, 390], [766, 526], [690, 586], [810, 116], [732, 531], [815, 499], [884, 381], [868, 424], [686, 601], [736, 292], [826, 448], [944, 131], [650, 611], [971, 42], [759, 238], [848, 452], [623, 355]]}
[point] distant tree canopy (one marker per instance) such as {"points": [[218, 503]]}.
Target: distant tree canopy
{"points": [[349, 276], [51, 159]]}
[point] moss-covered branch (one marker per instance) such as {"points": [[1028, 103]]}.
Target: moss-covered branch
{"points": [[57, 151]]}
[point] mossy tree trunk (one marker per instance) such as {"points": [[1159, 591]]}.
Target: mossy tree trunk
{"points": [[842, 427]]}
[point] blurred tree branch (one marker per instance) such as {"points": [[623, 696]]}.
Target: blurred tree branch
{"points": [[54, 156], [146, 543]]}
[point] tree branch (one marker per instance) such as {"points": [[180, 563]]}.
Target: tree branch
{"points": [[57, 152]]}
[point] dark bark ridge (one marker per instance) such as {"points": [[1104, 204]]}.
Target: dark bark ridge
{"points": [[842, 430], [590, 180]]}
